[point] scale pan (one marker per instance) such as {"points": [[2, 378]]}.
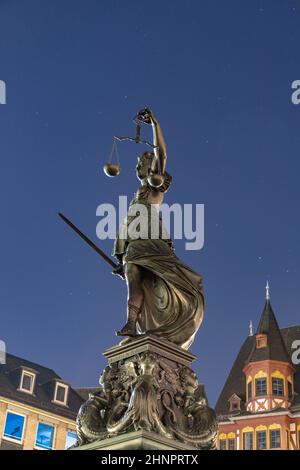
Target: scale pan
{"points": [[112, 169], [155, 180]]}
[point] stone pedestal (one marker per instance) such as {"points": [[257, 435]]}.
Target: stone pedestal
{"points": [[149, 398], [149, 344], [136, 440]]}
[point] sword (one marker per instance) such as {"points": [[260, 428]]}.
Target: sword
{"points": [[88, 241]]}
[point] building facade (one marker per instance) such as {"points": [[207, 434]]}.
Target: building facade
{"points": [[38, 409], [259, 406]]}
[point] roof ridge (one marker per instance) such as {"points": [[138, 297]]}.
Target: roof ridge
{"points": [[32, 363], [290, 326]]}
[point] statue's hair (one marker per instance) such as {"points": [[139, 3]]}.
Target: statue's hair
{"points": [[146, 156]]}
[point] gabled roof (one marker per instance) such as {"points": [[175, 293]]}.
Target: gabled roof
{"points": [[10, 374], [236, 381], [233, 397], [276, 348]]}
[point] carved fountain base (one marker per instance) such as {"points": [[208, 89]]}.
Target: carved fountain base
{"points": [[149, 399]]}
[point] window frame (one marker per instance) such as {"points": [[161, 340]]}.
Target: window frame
{"points": [[66, 387], [221, 441], [244, 439], [266, 386], [270, 437], [249, 388], [230, 440], [266, 440], [32, 375], [281, 381], [11, 439], [70, 431], [37, 447], [261, 341], [235, 405]]}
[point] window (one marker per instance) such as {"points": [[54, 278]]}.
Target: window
{"points": [[231, 444], [61, 393], [71, 439], [260, 387], [275, 442], [248, 440], [249, 390], [14, 426], [261, 341], [222, 444], [234, 403], [27, 381], [277, 387], [261, 440], [290, 391], [44, 436]]}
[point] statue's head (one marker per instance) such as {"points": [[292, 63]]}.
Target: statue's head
{"points": [[147, 364], [144, 164]]}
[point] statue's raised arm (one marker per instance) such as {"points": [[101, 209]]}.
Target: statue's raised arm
{"points": [[160, 149]]}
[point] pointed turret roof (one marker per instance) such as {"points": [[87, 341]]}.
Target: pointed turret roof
{"points": [[275, 349]]}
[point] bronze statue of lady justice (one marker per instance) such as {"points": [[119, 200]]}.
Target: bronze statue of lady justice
{"points": [[165, 297], [150, 390]]}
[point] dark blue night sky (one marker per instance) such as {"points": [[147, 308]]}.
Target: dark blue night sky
{"points": [[218, 75]]}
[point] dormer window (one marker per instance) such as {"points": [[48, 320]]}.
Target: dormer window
{"points": [[234, 403], [61, 393], [27, 381], [261, 341]]}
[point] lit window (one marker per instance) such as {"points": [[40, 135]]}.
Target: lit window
{"points": [[71, 439], [249, 390], [260, 387], [248, 440], [222, 444], [44, 436], [275, 442], [231, 444], [277, 387], [14, 426], [61, 393], [261, 438], [27, 382]]}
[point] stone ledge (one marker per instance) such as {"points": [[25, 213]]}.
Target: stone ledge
{"points": [[136, 440], [149, 343]]}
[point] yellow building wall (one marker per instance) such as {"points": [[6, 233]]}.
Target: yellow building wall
{"points": [[32, 418]]}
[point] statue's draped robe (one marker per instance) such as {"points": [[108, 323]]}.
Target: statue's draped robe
{"points": [[173, 303]]}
